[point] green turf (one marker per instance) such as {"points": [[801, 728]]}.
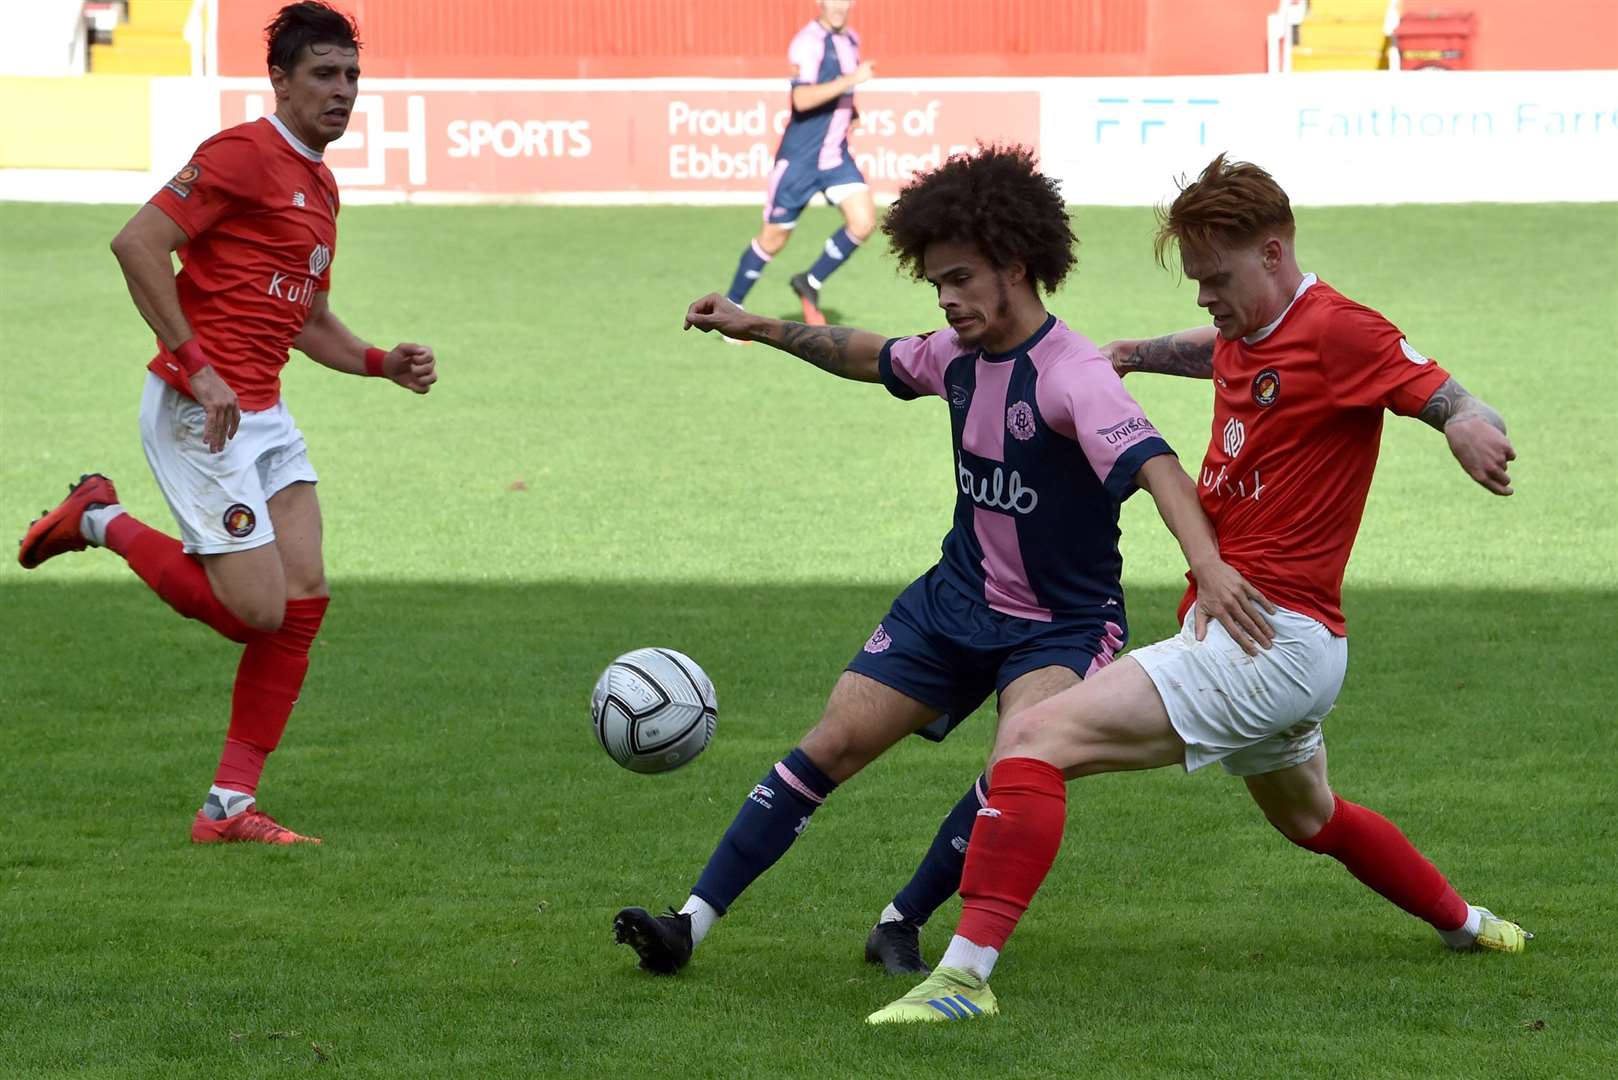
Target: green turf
{"points": [[586, 479]]}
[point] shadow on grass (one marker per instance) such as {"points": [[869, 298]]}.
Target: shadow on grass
{"points": [[478, 842]]}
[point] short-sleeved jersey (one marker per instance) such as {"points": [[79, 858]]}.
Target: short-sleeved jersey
{"points": [[819, 55], [260, 209], [1047, 443], [1297, 424]]}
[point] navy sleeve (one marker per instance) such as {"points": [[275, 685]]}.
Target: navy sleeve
{"points": [[1121, 481], [890, 378]]}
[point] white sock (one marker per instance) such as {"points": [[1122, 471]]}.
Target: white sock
{"points": [[93, 523], [702, 918], [978, 959], [224, 802], [1465, 934], [890, 914]]}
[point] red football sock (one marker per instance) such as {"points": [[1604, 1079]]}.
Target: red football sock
{"points": [[173, 575], [1376, 852], [267, 684], [1012, 849]]}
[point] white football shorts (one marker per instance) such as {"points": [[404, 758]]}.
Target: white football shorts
{"points": [[221, 501], [1253, 714]]}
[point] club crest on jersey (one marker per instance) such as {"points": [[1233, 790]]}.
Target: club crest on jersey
{"points": [[239, 520], [181, 184], [319, 259], [1266, 387], [879, 640], [1020, 421]]}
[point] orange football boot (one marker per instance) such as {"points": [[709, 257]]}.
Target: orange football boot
{"points": [[248, 827], [811, 299], [57, 531]]}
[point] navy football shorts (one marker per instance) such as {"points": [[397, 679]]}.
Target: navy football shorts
{"points": [[950, 651], [793, 184]]}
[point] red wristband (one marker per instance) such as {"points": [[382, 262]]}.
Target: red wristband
{"points": [[373, 361], [190, 356]]}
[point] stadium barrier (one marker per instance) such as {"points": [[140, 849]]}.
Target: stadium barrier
{"points": [[45, 120], [1331, 138]]}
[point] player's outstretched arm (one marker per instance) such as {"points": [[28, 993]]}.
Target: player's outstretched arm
{"points": [[1188, 353], [1475, 432], [841, 350], [325, 340], [143, 248], [1222, 593]]}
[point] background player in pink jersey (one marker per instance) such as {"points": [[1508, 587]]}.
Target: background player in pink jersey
{"points": [[1025, 600], [253, 217], [813, 157], [1302, 376]]}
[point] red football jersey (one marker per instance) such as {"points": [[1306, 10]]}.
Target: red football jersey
{"points": [[1296, 427], [260, 209]]}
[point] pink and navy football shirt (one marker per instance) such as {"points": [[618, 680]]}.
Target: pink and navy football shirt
{"points": [[1047, 444], [820, 135]]}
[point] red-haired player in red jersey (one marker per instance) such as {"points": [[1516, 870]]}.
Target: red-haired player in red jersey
{"points": [[254, 218], [1301, 376]]}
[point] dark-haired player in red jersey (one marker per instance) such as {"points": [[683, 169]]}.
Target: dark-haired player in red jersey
{"points": [[1301, 376], [253, 216]]}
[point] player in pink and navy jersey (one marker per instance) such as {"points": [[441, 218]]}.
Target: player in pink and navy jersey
{"points": [[1025, 601], [813, 158]]}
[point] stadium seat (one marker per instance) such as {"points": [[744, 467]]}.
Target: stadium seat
{"points": [[151, 42], [1342, 35]]}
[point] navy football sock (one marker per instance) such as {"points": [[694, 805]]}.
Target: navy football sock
{"points": [[748, 269], [776, 811], [939, 876], [838, 248]]}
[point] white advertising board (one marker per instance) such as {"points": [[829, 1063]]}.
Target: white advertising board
{"points": [[1330, 138]]}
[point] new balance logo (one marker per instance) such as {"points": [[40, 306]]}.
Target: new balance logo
{"points": [[958, 843], [762, 795], [297, 199]]}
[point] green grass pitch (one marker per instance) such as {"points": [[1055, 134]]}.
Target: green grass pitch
{"points": [[586, 479]]}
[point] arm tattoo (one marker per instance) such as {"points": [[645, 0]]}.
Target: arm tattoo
{"points": [[826, 347], [1170, 356], [1452, 402]]}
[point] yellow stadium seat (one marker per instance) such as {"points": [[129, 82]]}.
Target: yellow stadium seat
{"points": [[1341, 35], [152, 42]]}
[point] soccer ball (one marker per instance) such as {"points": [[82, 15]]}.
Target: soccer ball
{"points": [[654, 710]]}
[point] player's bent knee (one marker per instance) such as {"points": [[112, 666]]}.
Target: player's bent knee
{"points": [[772, 239], [264, 616], [308, 589], [263, 609], [1033, 732], [835, 749], [1297, 824]]}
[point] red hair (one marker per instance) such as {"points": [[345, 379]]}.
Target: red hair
{"points": [[1231, 203]]}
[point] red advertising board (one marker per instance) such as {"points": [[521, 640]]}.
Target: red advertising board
{"points": [[516, 141]]}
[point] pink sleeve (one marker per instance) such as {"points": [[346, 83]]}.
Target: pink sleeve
{"points": [[914, 366], [1370, 363], [1082, 398], [805, 53]]}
